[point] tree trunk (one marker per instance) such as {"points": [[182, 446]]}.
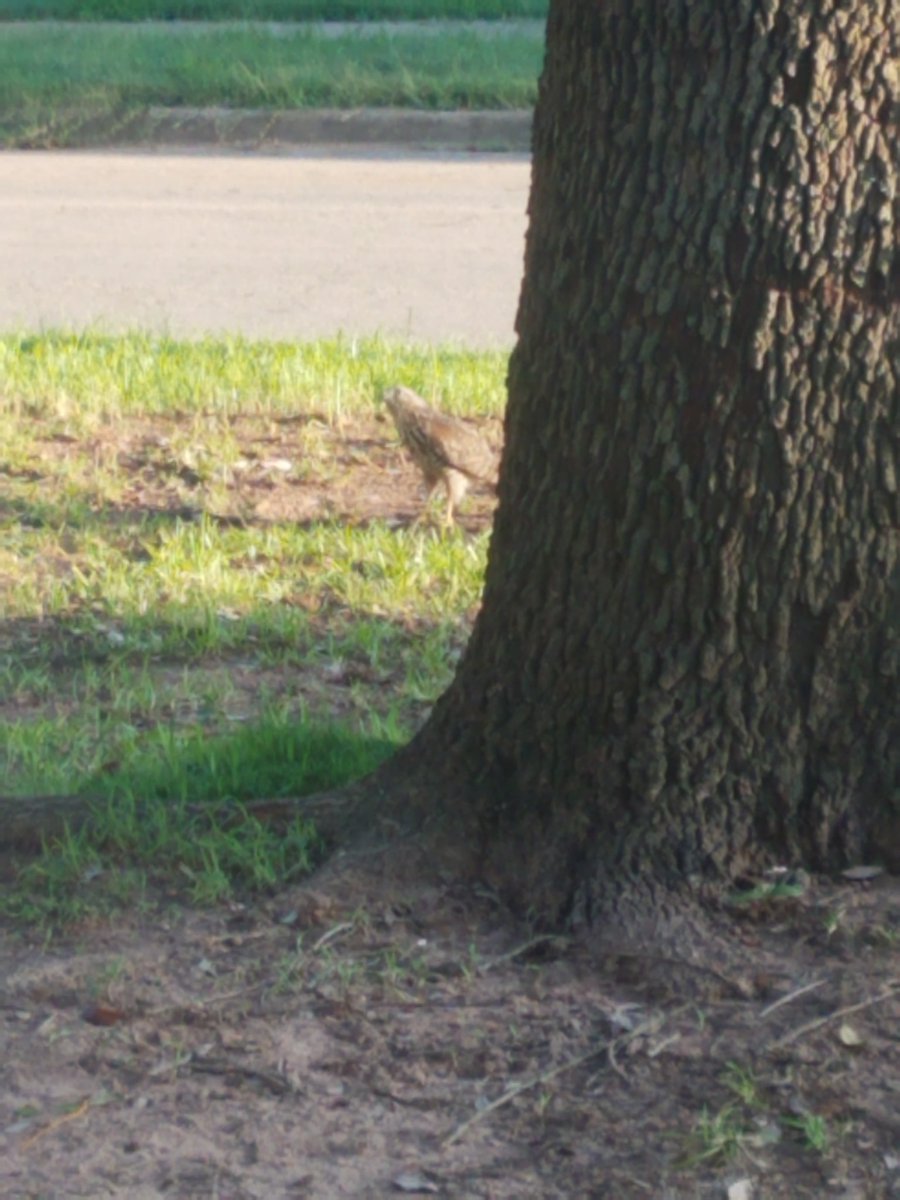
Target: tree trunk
{"points": [[686, 660]]}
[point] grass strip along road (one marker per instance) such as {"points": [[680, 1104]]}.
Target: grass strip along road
{"points": [[54, 81], [271, 10]]}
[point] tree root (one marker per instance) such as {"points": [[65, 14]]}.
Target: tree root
{"points": [[28, 822]]}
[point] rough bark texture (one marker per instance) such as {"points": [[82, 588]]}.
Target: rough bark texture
{"points": [[686, 661]]}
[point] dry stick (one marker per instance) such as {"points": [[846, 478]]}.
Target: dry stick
{"points": [[518, 951], [614, 1062], [445, 1004], [330, 934], [384, 1094], [79, 1111], [791, 996], [544, 1077], [656, 1050], [273, 1080], [891, 990], [205, 1001]]}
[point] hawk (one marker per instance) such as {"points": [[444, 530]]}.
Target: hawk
{"points": [[445, 449]]}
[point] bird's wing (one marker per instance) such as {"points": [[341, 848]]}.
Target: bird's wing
{"points": [[460, 446]]}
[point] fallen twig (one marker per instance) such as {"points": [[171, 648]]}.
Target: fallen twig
{"points": [[790, 997], [384, 1094], [518, 951], [79, 1111], [273, 1080], [204, 1001], [793, 1034], [330, 934], [660, 1046], [544, 1077], [614, 1062]]}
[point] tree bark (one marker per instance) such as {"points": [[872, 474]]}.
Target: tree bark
{"points": [[686, 661]]}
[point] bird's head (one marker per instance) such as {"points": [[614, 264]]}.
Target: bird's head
{"points": [[401, 399]]}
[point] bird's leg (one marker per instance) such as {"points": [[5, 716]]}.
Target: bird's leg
{"points": [[456, 485], [425, 514], [448, 516]]}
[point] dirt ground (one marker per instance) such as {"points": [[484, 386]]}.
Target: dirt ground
{"points": [[344, 1040], [325, 1044], [290, 468]]}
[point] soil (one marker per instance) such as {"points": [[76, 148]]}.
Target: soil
{"points": [[298, 469], [327, 1044]]}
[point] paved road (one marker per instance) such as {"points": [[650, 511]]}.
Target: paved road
{"points": [[293, 246]]}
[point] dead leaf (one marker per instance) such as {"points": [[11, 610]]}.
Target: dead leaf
{"points": [[849, 1036], [413, 1181], [861, 874], [741, 1189], [103, 1014]]}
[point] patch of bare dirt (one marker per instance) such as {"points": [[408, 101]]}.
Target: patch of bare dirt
{"points": [[258, 470], [421, 1043]]}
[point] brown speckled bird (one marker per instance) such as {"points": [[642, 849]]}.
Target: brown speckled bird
{"points": [[445, 450]]}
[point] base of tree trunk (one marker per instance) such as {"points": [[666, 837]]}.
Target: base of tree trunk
{"points": [[406, 827]]}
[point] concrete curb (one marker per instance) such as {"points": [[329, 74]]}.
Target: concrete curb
{"points": [[371, 128]]}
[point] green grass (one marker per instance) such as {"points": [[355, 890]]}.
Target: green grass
{"points": [[55, 82], [173, 811], [751, 1122], [280, 10], [83, 379], [161, 646]]}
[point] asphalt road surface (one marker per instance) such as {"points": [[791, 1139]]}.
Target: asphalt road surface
{"points": [[292, 246]]}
